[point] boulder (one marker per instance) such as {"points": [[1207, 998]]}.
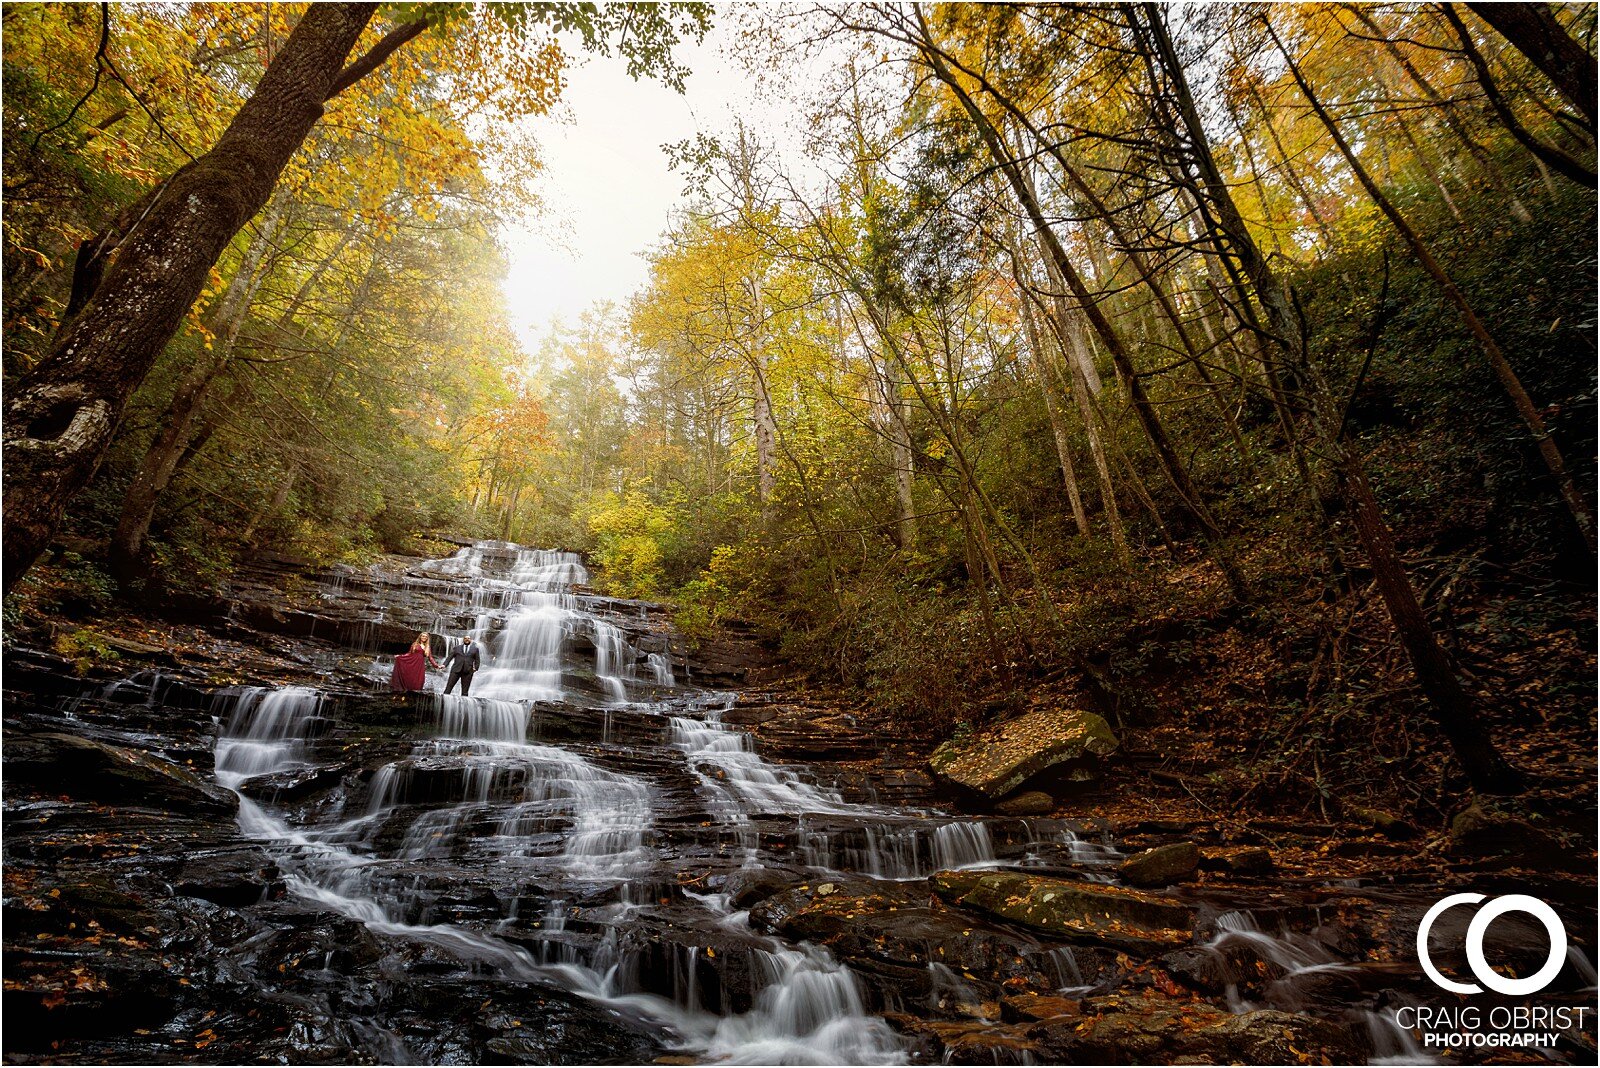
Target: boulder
{"points": [[1161, 866], [1032, 803], [1002, 759], [1150, 1030], [1125, 919]]}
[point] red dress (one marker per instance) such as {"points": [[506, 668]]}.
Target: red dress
{"points": [[410, 669]]}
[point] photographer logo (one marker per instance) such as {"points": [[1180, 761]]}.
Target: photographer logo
{"points": [[1474, 944]]}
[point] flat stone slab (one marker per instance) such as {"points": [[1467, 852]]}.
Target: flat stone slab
{"points": [[1003, 758], [1113, 915], [1161, 866]]}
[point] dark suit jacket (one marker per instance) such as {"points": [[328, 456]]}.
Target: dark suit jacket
{"points": [[464, 658]]}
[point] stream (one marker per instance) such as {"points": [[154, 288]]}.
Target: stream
{"points": [[589, 861]]}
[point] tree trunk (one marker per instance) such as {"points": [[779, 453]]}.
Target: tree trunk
{"points": [[1452, 708], [1143, 409], [60, 419], [1543, 154], [765, 423], [1058, 426], [904, 460], [1446, 108], [1533, 30], [280, 497], [161, 459]]}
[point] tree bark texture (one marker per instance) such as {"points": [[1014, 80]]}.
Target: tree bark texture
{"points": [[160, 461]]}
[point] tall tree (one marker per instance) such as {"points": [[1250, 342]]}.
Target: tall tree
{"points": [[60, 419], [135, 281]]}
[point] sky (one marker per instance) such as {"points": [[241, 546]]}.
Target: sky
{"points": [[607, 189]]}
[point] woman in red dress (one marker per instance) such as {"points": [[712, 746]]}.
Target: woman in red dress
{"points": [[410, 668]]}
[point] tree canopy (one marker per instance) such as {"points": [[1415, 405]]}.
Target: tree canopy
{"points": [[1097, 314]]}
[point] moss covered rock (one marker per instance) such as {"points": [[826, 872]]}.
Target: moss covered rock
{"points": [[1149, 1030], [1161, 866], [1003, 758]]}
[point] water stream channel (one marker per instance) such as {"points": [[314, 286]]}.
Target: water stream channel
{"points": [[582, 862]]}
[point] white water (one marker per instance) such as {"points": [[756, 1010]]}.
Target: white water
{"points": [[741, 783], [1295, 954], [478, 786], [265, 733]]}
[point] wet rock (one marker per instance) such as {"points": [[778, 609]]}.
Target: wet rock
{"points": [[726, 658], [749, 717], [1161, 866], [96, 770], [892, 935], [1010, 754], [1032, 803], [716, 969], [1237, 860], [969, 1043], [235, 877], [1211, 970], [1147, 1030], [1033, 1007], [747, 887], [1127, 919], [802, 735], [906, 785], [294, 785]]}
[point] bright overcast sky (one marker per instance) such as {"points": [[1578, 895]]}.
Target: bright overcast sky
{"points": [[607, 188]]}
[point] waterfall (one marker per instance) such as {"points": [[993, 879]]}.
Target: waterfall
{"points": [[475, 790], [265, 733], [740, 783], [1293, 954]]}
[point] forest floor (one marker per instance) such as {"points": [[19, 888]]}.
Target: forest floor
{"points": [[1217, 735]]}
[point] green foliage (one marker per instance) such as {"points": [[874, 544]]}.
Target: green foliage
{"points": [[85, 649], [84, 582], [701, 604], [631, 532], [644, 35]]}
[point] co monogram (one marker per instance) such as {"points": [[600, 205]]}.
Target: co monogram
{"points": [[1474, 944]]}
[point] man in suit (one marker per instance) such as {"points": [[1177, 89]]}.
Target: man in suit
{"points": [[463, 660]]}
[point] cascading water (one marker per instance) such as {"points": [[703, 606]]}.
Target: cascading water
{"points": [[585, 863], [265, 733], [1294, 955], [478, 796]]}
